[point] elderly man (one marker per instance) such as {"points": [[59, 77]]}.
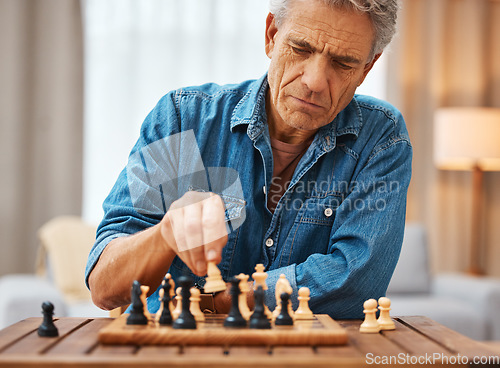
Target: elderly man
{"points": [[292, 170]]}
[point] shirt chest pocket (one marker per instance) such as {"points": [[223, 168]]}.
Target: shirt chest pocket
{"points": [[311, 230], [234, 207], [319, 210]]}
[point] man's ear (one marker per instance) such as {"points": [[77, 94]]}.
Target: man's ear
{"points": [[369, 67], [271, 30]]}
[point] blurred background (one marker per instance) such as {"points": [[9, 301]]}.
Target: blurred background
{"points": [[79, 77]]}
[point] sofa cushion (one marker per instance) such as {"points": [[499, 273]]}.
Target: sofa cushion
{"points": [[22, 296], [412, 271]]}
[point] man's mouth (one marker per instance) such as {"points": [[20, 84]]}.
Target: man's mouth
{"points": [[306, 103]]}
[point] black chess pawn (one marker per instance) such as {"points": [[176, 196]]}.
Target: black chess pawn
{"points": [[186, 320], [259, 320], [166, 316], [284, 318], [137, 316], [234, 318], [47, 328]]}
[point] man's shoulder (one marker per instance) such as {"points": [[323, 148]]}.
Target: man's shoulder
{"points": [[215, 90], [380, 114], [370, 103]]}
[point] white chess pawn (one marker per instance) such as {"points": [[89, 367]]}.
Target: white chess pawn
{"points": [[171, 292], [242, 298], [214, 281], [370, 324], [384, 320], [160, 310], [144, 293], [303, 311], [194, 307], [178, 307]]}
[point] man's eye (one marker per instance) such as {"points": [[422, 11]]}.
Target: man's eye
{"points": [[342, 65], [299, 51]]}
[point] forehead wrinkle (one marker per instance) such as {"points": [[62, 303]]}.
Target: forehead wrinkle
{"points": [[321, 27], [338, 34]]}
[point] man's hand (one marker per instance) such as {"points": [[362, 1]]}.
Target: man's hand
{"points": [[194, 228]]}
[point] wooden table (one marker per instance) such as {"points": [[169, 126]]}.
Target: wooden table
{"points": [[415, 340]]}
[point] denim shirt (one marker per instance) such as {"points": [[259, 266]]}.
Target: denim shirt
{"points": [[338, 228]]}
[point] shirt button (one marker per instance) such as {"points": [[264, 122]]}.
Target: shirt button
{"points": [[269, 242], [328, 212], [264, 189]]}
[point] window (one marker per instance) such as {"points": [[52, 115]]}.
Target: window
{"points": [[138, 50]]}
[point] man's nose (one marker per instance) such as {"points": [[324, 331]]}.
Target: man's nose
{"points": [[315, 74]]}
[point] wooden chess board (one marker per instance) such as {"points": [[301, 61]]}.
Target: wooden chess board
{"points": [[322, 330]]}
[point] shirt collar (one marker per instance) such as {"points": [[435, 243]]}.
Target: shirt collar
{"points": [[251, 110], [348, 122]]}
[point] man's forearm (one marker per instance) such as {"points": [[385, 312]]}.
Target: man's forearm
{"points": [[142, 256]]}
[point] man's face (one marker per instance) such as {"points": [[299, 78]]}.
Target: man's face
{"points": [[319, 56]]}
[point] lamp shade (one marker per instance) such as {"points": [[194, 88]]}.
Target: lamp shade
{"points": [[465, 137]]}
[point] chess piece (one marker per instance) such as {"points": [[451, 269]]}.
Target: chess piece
{"points": [[168, 278], [282, 286], [186, 320], [284, 318], [178, 305], [303, 311], [161, 294], [259, 277], [47, 328], [242, 298], [195, 305], [370, 324], [144, 293], [137, 316], [259, 320], [384, 320], [165, 316], [213, 280], [234, 318]]}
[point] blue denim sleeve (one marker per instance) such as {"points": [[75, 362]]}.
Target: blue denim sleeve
{"points": [[121, 216], [365, 241]]}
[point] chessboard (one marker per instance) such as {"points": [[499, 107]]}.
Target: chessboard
{"points": [[321, 330]]}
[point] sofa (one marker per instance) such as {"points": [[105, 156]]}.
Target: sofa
{"points": [[59, 275], [465, 303]]}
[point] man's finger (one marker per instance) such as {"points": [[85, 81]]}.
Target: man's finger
{"points": [[214, 227], [193, 231], [193, 234]]}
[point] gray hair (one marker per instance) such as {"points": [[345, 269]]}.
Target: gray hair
{"points": [[383, 14]]}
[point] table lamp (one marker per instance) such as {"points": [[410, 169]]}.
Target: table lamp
{"points": [[468, 138]]}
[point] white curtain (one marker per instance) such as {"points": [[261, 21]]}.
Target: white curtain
{"points": [[41, 105], [138, 50]]}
